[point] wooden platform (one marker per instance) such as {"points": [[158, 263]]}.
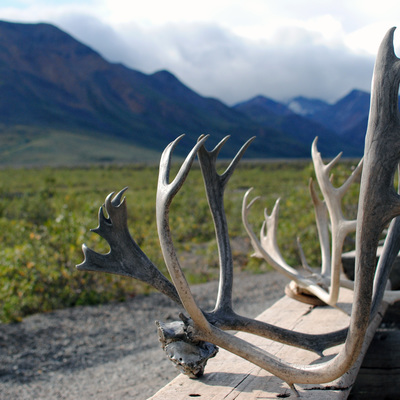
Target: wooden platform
{"points": [[230, 377]]}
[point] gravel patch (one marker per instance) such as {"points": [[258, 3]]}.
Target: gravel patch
{"points": [[109, 351]]}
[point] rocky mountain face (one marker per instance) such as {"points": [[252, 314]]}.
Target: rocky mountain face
{"points": [[51, 82]]}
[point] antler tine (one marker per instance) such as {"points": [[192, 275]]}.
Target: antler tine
{"points": [[321, 217], [303, 259], [215, 185], [165, 193], [213, 155], [273, 257], [165, 166], [350, 180], [116, 200], [389, 253], [315, 154], [268, 235], [218, 147], [245, 212], [229, 171], [341, 227]]}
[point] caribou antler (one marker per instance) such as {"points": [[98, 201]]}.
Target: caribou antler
{"points": [[215, 185], [267, 247], [378, 205], [223, 315], [125, 256]]}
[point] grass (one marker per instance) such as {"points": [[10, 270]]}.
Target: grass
{"points": [[46, 215], [36, 147]]}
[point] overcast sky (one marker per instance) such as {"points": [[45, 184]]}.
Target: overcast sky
{"points": [[231, 49]]}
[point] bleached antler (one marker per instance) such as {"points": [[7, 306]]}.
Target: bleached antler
{"points": [[378, 205], [268, 249], [340, 226], [223, 315], [326, 285], [199, 326]]}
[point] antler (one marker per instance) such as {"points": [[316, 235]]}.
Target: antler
{"points": [[378, 205], [223, 315], [199, 327], [125, 256], [215, 185], [165, 193], [268, 249], [340, 226]]}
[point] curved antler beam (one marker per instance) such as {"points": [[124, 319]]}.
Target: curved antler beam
{"points": [[378, 205], [165, 193]]}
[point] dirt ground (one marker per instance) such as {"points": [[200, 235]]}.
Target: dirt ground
{"points": [[109, 351]]}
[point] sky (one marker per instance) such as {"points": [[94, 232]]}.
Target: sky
{"points": [[232, 50]]}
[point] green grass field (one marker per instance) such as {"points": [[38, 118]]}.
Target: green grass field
{"points": [[46, 215], [34, 147]]}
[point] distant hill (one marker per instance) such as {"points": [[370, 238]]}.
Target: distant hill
{"points": [[278, 116], [343, 122], [348, 116], [62, 103]]}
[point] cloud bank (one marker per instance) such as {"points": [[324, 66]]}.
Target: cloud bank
{"points": [[231, 50], [217, 63]]}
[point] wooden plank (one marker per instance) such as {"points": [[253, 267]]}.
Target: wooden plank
{"points": [[230, 377], [379, 375]]}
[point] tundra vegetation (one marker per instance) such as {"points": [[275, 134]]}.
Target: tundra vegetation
{"points": [[46, 213]]}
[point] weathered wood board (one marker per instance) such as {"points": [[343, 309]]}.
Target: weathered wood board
{"points": [[230, 377]]}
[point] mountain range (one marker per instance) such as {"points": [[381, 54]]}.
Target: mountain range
{"points": [[61, 102]]}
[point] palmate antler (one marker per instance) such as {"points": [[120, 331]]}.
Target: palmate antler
{"points": [[378, 205], [326, 285], [125, 257]]}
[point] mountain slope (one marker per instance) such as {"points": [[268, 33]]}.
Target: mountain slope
{"points": [[275, 115], [348, 116], [50, 82]]}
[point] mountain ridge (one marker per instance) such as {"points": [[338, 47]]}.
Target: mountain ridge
{"points": [[50, 82]]}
